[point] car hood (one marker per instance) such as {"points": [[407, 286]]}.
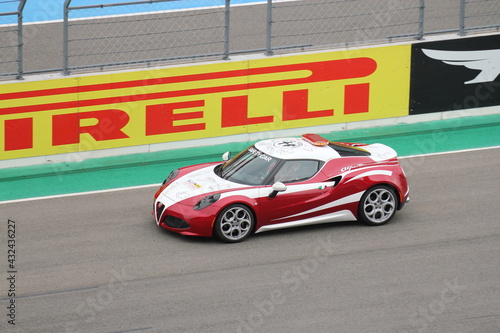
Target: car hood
{"points": [[198, 182]]}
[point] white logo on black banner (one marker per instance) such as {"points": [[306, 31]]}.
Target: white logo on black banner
{"points": [[487, 61]]}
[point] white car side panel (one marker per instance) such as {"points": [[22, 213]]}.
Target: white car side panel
{"points": [[341, 216]]}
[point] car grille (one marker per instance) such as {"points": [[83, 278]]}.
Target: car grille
{"points": [[175, 222]]}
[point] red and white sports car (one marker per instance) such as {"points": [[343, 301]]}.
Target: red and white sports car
{"points": [[281, 183]]}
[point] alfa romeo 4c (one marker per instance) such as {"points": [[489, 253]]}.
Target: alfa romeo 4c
{"points": [[281, 183]]}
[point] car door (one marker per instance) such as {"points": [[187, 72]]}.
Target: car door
{"points": [[301, 193]]}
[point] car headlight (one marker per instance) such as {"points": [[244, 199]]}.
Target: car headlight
{"points": [[207, 201], [171, 176]]}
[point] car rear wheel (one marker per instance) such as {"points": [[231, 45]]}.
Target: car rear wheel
{"points": [[378, 205], [234, 223]]}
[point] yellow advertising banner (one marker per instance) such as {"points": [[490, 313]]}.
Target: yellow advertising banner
{"points": [[203, 101]]}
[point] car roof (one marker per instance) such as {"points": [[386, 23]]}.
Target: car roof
{"points": [[296, 148]]}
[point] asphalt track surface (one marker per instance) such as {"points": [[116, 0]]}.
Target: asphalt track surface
{"points": [[99, 263]]}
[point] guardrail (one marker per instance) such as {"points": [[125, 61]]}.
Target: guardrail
{"points": [[147, 32], [11, 37]]}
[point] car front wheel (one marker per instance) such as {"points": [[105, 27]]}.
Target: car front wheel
{"points": [[234, 223], [378, 205]]}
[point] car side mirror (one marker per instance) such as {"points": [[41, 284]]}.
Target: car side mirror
{"points": [[226, 156], [277, 187]]}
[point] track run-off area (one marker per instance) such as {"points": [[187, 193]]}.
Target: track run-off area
{"points": [[97, 262]]}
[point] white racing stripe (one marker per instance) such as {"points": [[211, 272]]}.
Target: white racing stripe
{"points": [[371, 173], [340, 216]]}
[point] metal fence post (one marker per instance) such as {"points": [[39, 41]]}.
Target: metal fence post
{"points": [[269, 50], [226, 29], [20, 42], [420, 34], [65, 37], [461, 27]]}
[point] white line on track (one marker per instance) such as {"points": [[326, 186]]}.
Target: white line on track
{"points": [[449, 152], [81, 193], [158, 184]]}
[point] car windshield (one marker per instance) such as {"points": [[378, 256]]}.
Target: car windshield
{"points": [[250, 167]]}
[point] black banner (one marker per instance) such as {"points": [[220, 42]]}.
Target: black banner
{"points": [[455, 74]]}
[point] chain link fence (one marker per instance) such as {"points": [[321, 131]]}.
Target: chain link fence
{"points": [[298, 24], [11, 25], [100, 35], [154, 31], [479, 15]]}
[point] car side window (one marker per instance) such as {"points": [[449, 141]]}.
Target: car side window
{"points": [[296, 170]]}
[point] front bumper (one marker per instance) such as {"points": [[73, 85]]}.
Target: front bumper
{"points": [[184, 219]]}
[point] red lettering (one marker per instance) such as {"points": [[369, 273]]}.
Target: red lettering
{"points": [[319, 71], [66, 128], [160, 118], [235, 113], [295, 106], [169, 118], [18, 134], [310, 72], [356, 98]]}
